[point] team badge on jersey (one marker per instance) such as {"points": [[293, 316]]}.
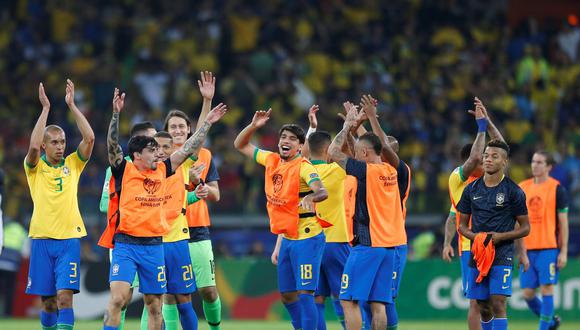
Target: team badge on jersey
{"points": [[115, 269], [499, 199], [65, 171], [278, 181]]}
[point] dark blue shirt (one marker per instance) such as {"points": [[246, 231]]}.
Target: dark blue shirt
{"points": [[212, 173], [358, 169], [494, 209]]}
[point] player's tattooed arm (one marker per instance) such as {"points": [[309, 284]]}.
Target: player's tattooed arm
{"points": [[335, 149], [475, 156], [370, 108], [113, 147], [36, 137], [85, 148], [207, 89], [319, 194], [450, 228], [242, 141], [192, 146]]}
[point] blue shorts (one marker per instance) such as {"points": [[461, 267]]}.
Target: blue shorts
{"points": [[180, 276], [399, 268], [331, 268], [497, 282], [543, 269], [146, 260], [55, 264], [368, 274], [464, 260], [299, 263]]}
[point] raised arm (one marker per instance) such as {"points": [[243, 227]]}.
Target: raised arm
{"points": [[492, 130], [85, 148], [113, 147], [476, 153], [207, 89], [313, 124], [370, 108], [335, 152], [242, 141], [195, 142], [33, 154]]}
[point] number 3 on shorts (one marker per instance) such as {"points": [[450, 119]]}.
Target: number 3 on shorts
{"points": [[506, 275], [161, 274]]}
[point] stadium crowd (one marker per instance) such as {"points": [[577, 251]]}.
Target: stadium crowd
{"points": [[423, 60]]}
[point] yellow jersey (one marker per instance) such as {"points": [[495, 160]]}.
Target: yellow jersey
{"points": [[179, 229], [332, 209], [54, 192], [457, 183], [308, 174]]}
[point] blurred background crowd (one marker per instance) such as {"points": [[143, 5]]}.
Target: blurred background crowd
{"points": [[423, 60]]}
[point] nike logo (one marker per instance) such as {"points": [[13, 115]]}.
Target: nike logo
{"points": [[342, 292], [72, 282], [505, 287], [188, 285], [164, 285], [306, 283], [477, 197]]}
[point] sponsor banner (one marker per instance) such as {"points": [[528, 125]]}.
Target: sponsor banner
{"points": [[430, 289]]}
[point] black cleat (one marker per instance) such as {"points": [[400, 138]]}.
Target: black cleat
{"points": [[557, 320]]}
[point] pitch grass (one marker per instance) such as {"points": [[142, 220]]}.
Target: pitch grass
{"points": [[12, 324]]}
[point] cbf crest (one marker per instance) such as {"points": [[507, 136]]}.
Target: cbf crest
{"points": [[499, 199], [65, 171]]}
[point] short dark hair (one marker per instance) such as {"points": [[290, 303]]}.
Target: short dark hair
{"points": [[294, 129], [549, 157], [373, 140], [499, 144], [140, 142], [180, 114], [162, 134], [465, 152], [317, 141], [141, 127]]}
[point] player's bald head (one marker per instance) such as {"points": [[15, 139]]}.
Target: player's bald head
{"points": [[393, 143], [52, 131]]}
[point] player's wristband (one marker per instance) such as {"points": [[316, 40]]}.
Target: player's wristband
{"points": [[192, 198], [481, 125], [310, 131]]}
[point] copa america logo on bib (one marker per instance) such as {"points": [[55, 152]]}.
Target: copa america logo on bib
{"points": [[499, 199]]}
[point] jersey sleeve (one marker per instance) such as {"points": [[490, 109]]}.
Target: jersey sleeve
{"points": [[356, 168], [520, 207], [261, 155], [455, 183], [464, 205], [77, 161], [308, 173], [452, 210], [104, 202], [212, 173], [29, 169], [562, 202]]}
